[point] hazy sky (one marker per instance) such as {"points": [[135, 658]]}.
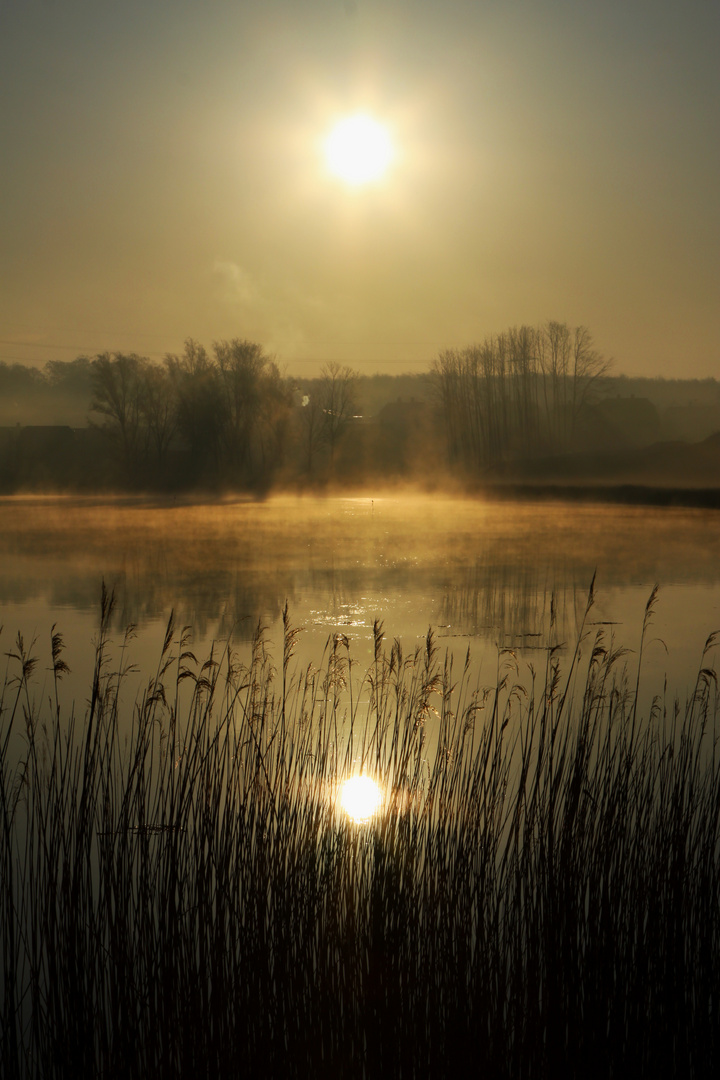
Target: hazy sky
{"points": [[162, 176]]}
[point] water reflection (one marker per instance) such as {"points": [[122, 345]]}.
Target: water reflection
{"points": [[473, 569], [518, 605]]}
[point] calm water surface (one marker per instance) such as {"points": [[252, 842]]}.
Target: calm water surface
{"points": [[482, 574]]}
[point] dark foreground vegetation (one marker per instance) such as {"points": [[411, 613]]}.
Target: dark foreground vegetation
{"points": [[540, 895]]}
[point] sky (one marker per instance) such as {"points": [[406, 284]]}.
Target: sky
{"points": [[162, 176]]}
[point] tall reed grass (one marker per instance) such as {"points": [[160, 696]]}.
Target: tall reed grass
{"points": [[182, 895]]}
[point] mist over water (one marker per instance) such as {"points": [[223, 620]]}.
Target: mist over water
{"points": [[482, 574], [471, 758]]}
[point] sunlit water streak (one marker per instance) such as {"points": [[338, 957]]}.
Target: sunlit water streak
{"points": [[484, 575]]}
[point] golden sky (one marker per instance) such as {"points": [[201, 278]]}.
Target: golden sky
{"points": [[162, 176]]}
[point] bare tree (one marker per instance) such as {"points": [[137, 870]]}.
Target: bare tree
{"points": [[273, 420], [570, 366], [589, 366], [117, 395], [519, 392], [311, 428], [240, 366], [232, 409], [159, 408], [337, 401], [256, 405], [525, 422], [200, 404]]}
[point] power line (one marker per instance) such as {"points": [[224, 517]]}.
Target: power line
{"points": [[350, 361], [392, 361], [35, 344], [78, 349], [280, 342]]}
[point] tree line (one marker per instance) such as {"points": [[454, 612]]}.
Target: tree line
{"points": [[228, 416], [518, 394]]}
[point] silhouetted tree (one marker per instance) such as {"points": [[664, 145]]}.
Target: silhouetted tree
{"points": [[159, 409], [311, 428], [19, 386], [70, 376], [200, 405], [273, 420], [337, 401], [232, 409], [517, 393], [117, 384], [18, 379], [256, 405], [524, 388], [589, 367], [569, 366]]}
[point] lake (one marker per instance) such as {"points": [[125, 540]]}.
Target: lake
{"points": [[207, 860], [482, 574]]}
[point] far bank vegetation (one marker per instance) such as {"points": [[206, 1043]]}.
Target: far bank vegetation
{"points": [[517, 394], [230, 418]]}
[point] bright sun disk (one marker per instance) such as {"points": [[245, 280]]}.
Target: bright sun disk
{"points": [[360, 798], [358, 149]]}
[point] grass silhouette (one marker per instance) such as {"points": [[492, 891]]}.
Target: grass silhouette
{"points": [[182, 894]]}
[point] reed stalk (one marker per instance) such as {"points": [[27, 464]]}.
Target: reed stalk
{"points": [[181, 894]]}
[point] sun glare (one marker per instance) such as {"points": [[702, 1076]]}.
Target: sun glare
{"points": [[358, 150], [360, 798]]}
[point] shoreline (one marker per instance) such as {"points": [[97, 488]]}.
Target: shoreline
{"points": [[614, 494], [703, 498]]}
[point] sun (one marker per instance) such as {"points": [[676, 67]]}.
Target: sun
{"points": [[360, 798], [358, 150]]}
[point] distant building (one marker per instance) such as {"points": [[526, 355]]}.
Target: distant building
{"points": [[691, 422], [37, 455], [44, 439], [629, 421]]}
